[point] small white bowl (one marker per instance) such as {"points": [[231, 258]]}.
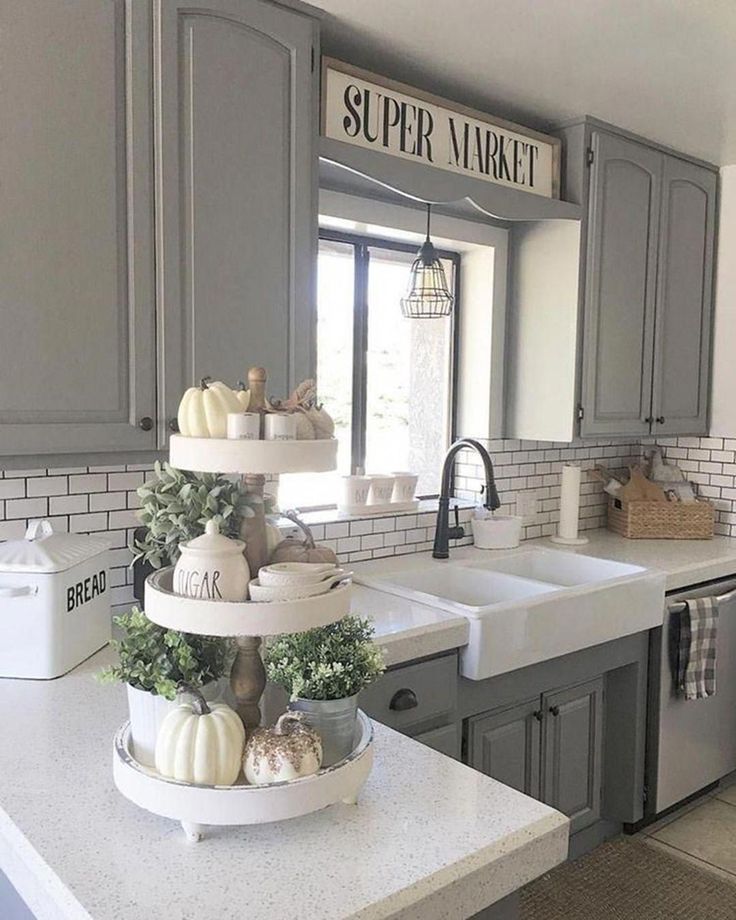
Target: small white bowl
{"points": [[265, 593], [296, 573], [501, 531]]}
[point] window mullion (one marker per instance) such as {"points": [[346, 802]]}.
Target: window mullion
{"points": [[360, 357]]}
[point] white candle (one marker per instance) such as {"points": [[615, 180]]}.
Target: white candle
{"points": [[280, 428], [244, 426], [569, 502]]}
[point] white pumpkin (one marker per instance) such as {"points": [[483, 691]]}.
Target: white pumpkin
{"points": [[285, 752], [242, 394], [203, 410], [201, 743]]}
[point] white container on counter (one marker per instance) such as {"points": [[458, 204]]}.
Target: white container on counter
{"points": [[502, 531], [54, 600], [405, 486], [212, 567]]}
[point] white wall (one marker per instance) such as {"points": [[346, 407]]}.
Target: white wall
{"points": [[723, 399]]}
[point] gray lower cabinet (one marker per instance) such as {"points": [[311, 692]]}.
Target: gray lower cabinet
{"points": [[77, 348], [572, 752], [506, 745], [236, 122], [446, 740], [415, 698], [549, 747], [647, 253]]}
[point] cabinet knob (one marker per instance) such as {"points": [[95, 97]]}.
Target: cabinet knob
{"points": [[649, 419], [174, 425], [538, 715], [403, 699], [554, 710], [660, 420], [146, 423]]}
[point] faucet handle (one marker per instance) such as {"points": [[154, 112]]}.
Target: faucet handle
{"points": [[458, 531]]}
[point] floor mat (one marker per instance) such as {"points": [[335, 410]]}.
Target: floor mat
{"points": [[628, 880]]}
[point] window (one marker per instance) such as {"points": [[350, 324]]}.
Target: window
{"points": [[387, 381]]}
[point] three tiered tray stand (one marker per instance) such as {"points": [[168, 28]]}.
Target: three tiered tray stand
{"points": [[198, 806]]}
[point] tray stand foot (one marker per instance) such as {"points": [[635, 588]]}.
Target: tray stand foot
{"points": [[194, 832]]}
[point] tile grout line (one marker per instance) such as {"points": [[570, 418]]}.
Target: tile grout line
{"points": [[693, 856]]}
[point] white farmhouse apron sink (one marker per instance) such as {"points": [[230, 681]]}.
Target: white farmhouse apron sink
{"points": [[527, 606]]}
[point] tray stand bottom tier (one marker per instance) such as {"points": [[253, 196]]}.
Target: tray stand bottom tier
{"points": [[196, 807]]}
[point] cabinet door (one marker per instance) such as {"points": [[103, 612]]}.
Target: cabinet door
{"points": [[76, 260], [505, 744], [620, 287], [684, 299], [572, 752], [236, 122], [446, 740]]}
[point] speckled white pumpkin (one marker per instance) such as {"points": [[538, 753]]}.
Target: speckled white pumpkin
{"points": [[288, 751], [201, 743]]}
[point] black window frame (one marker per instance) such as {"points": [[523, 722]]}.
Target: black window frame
{"points": [[362, 244]]}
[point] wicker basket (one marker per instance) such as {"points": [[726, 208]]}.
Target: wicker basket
{"points": [[661, 520]]}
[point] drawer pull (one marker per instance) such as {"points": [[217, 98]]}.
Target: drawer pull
{"points": [[538, 715], [555, 710], [403, 699]]}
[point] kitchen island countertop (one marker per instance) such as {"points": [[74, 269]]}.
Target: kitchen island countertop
{"points": [[430, 838]]}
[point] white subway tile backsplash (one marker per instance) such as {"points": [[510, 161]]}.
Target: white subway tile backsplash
{"points": [[26, 508], [12, 488], [47, 485], [88, 482], [69, 504]]}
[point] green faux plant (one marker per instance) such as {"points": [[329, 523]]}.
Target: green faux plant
{"points": [[158, 660], [326, 663], [176, 505]]}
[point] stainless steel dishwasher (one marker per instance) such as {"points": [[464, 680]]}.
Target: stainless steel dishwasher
{"points": [[690, 743]]}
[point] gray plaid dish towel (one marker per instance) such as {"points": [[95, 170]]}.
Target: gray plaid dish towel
{"points": [[696, 659]]}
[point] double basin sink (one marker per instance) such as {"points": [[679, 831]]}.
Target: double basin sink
{"points": [[527, 606]]}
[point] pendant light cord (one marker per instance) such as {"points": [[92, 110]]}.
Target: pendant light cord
{"points": [[429, 211]]}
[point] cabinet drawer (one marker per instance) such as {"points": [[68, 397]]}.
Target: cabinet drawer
{"points": [[446, 740], [414, 697]]}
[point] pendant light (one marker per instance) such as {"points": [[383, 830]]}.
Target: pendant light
{"points": [[427, 294]]}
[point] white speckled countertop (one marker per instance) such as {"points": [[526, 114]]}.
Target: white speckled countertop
{"points": [[429, 839]]}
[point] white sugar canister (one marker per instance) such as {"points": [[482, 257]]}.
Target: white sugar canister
{"points": [[212, 567], [54, 600]]}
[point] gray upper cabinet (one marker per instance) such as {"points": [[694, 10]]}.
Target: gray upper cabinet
{"points": [[646, 282], [684, 297], [236, 120], [76, 260], [620, 287]]}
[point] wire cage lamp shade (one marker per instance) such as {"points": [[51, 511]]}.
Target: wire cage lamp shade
{"points": [[427, 294]]}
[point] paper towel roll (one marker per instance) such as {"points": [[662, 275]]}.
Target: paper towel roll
{"points": [[569, 502]]}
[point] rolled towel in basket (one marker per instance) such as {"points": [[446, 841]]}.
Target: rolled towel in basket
{"points": [[696, 660]]}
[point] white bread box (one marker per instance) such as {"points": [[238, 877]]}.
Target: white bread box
{"points": [[54, 601]]}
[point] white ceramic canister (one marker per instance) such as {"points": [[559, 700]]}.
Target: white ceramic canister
{"points": [[405, 485], [501, 531], [382, 488], [212, 567], [354, 491]]}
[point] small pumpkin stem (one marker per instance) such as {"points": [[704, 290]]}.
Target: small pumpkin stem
{"points": [[286, 722], [294, 518], [199, 703], [204, 383]]}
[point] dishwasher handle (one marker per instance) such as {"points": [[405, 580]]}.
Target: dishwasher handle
{"points": [[726, 598]]}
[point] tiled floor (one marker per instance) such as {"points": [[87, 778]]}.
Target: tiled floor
{"points": [[702, 832]]}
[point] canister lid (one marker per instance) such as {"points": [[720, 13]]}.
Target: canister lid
{"points": [[212, 541], [43, 551]]}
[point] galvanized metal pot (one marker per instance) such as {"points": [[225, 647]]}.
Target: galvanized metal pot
{"points": [[335, 721]]}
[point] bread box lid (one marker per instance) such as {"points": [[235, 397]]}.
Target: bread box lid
{"points": [[43, 551]]}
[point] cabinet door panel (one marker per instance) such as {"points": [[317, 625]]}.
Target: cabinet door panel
{"points": [[684, 298], [620, 287], [77, 297], [505, 744], [236, 109], [572, 753]]}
